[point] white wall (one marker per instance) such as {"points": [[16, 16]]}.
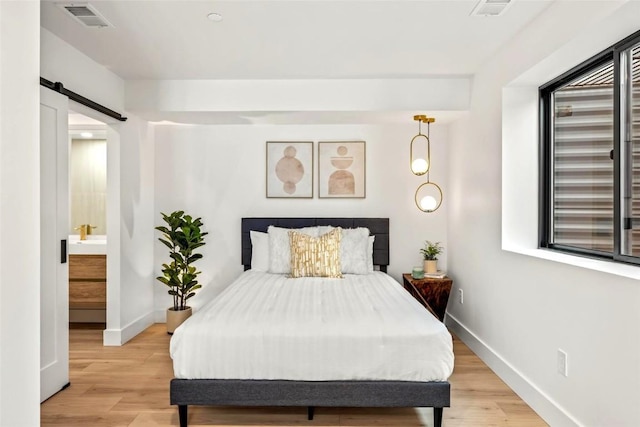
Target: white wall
{"points": [[519, 310], [19, 214], [130, 183], [61, 62], [218, 173], [130, 153]]}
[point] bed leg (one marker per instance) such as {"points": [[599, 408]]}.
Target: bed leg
{"points": [[310, 410], [182, 413], [437, 417]]}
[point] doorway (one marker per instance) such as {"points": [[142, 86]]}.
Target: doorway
{"points": [[87, 222], [92, 120]]}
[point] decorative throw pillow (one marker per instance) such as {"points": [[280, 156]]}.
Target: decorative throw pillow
{"points": [[259, 251], [279, 252], [315, 256], [355, 251]]}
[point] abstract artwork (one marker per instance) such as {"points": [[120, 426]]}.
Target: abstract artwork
{"points": [[341, 169], [289, 169]]}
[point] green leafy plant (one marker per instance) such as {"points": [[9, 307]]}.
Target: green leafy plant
{"points": [[431, 250], [182, 235]]}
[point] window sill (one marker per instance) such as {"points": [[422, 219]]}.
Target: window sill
{"points": [[611, 267]]}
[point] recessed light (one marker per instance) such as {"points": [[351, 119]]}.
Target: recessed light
{"points": [[215, 17], [86, 134]]}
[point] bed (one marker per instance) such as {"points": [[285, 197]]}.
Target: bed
{"points": [[320, 384]]}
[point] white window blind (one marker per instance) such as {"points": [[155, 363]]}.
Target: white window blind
{"points": [[582, 167]]}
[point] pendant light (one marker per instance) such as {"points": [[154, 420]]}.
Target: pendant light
{"points": [[420, 163], [428, 196]]}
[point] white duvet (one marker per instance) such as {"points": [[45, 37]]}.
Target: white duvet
{"points": [[267, 326]]}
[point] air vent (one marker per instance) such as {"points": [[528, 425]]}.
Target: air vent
{"points": [[490, 7], [86, 14]]}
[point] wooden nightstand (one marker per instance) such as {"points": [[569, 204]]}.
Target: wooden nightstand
{"points": [[432, 293]]}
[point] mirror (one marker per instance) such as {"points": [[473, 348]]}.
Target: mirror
{"points": [[88, 180]]}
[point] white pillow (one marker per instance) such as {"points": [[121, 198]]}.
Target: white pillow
{"points": [[356, 266], [279, 249], [259, 251], [355, 254], [370, 254]]}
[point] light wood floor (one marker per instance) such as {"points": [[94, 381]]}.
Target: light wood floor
{"points": [[129, 386]]}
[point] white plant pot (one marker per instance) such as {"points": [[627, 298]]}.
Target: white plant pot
{"points": [[430, 265]]}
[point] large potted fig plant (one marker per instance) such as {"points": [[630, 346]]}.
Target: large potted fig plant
{"points": [[182, 235]]}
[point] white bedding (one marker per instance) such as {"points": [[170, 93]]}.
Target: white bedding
{"points": [[267, 326]]}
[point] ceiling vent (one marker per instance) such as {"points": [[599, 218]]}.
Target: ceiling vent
{"points": [[490, 7], [86, 14]]}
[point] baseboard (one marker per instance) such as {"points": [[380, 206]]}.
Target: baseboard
{"points": [[160, 316], [117, 337], [544, 406]]}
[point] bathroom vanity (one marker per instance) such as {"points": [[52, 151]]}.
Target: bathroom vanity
{"points": [[88, 280]]}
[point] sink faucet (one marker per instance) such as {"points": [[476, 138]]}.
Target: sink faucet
{"points": [[85, 229]]}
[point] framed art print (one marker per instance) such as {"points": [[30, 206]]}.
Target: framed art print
{"points": [[289, 169], [342, 169]]}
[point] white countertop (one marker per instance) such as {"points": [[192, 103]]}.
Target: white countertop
{"points": [[96, 244]]}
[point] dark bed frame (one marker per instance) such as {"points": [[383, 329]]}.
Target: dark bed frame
{"points": [[216, 392]]}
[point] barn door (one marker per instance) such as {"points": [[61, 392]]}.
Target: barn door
{"points": [[54, 232]]}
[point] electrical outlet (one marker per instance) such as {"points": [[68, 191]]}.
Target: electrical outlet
{"points": [[460, 296], [563, 368]]}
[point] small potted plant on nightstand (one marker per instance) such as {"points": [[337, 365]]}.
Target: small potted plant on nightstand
{"points": [[430, 254], [182, 236]]}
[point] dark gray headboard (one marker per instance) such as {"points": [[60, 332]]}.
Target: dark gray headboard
{"points": [[378, 227]]}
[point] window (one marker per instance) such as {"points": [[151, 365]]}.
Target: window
{"points": [[590, 156]]}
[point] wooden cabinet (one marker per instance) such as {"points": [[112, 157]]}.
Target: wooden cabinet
{"points": [[87, 282], [432, 293]]}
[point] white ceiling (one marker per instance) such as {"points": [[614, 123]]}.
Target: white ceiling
{"points": [[291, 39]]}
